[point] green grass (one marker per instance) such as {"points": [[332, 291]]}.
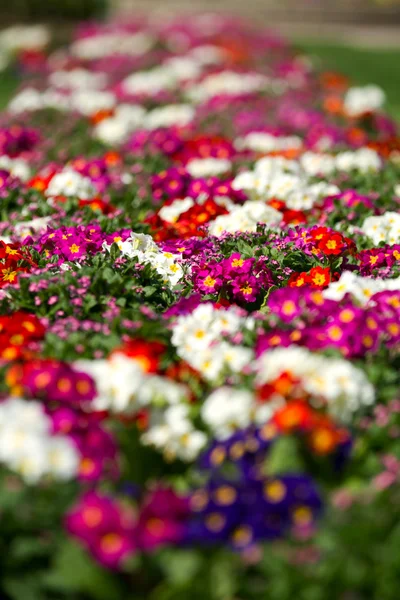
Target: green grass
{"points": [[8, 84], [362, 65]]}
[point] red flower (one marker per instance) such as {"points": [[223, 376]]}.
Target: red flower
{"points": [[331, 244], [319, 277]]}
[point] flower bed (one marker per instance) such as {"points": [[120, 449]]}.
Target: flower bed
{"points": [[199, 316]]}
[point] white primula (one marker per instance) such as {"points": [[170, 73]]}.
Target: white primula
{"points": [[171, 212], [199, 339], [78, 79], [123, 386], [24, 37], [315, 163], [383, 228], [70, 183], [108, 44], [363, 160], [259, 141], [362, 288], [90, 102], [227, 83], [171, 115], [172, 432], [245, 218], [111, 131], [183, 68], [18, 167], [116, 129], [27, 445], [228, 409], [149, 83], [118, 381], [343, 386], [361, 100], [143, 247], [208, 167], [25, 228], [29, 99]]}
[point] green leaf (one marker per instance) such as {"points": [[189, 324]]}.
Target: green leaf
{"points": [[284, 457], [75, 571], [180, 566]]}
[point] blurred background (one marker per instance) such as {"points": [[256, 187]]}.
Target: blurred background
{"points": [[360, 38]]}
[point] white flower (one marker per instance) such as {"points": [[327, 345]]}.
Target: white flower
{"points": [[24, 37], [226, 410], [344, 387], [360, 100], [183, 67], [315, 163], [27, 445], [383, 228], [18, 167], [28, 99], [171, 212], [25, 228], [116, 129], [89, 102], [171, 115], [208, 167], [112, 131], [62, 458], [78, 79], [245, 218], [227, 83], [363, 160], [142, 247], [118, 381], [108, 44], [70, 183], [149, 83], [362, 288], [172, 432], [259, 141]]}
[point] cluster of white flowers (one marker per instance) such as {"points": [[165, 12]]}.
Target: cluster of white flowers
{"points": [[24, 37], [17, 167], [124, 387], [383, 228], [277, 177], [24, 228], [84, 101], [28, 447], [116, 129], [77, 79], [245, 218], [171, 212], [322, 164], [108, 44], [208, 167], [362, 288], [126, 118], [172, 432], [149, 83], [143, 247], [343, 386], [361, 100], [198, 338], [69, 182], [259, 141], [170, 115], [228, 409], [227, 83]]}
